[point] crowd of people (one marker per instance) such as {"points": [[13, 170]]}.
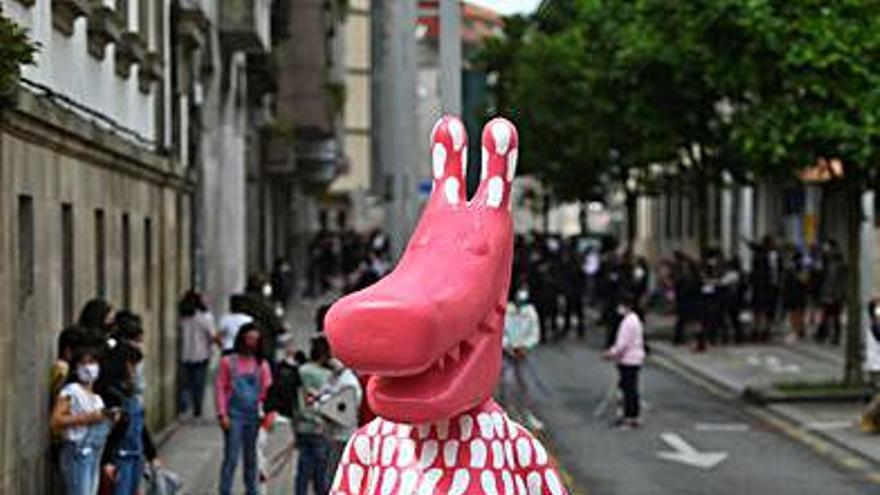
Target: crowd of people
{"points": [[714, 297], [101, 441], [98, 419], [345, 259]]}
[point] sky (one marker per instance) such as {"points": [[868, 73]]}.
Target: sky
{"points": [[508, 6]]}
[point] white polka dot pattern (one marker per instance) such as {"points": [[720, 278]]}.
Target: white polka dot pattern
{"points": [[501, 134], [456, 130], [451, 188], [450, 453], [460, 482], [466, 426], [438, 158], [483, 453], [487, 480], [478, 454], [496, 192]]}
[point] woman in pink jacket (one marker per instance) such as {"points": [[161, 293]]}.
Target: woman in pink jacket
{"points": [[628, 352]]}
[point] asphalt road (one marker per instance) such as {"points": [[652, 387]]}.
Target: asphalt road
{"points": [[604, 461]]}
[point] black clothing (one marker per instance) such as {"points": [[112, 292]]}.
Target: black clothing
{"points": [[114, 396], [262, 310], [629, 387], [282, 396]]}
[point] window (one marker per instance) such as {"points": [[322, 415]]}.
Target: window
{"points": [[126, 262], [100, 255], [67, 263], [148, 258], [25, 250]]}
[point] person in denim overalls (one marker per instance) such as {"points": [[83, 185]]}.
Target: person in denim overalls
{"points": [[242, 382], [124, 456], [80, 416]]}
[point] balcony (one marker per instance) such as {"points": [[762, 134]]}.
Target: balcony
{"points": [[132, 49], [192, 24], [150, 71], [65, 12], [278, 152], [244, 25], [319, 160], [105, 27]]}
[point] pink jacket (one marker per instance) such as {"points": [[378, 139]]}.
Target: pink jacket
{"points": [[629, 348], [223, 383]]}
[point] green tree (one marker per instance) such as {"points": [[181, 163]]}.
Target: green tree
{"points": [[15, 50], [816, 95]]}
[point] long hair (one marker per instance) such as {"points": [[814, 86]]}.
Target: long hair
{"points": [[128, 326], [114, 369], [191, 303], [239, 346], [94, 314]]}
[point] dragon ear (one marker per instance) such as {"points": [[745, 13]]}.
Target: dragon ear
{"points": [[500, 153], [449, 159]]}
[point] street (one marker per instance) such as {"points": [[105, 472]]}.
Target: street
{"points": [[605, 461]]}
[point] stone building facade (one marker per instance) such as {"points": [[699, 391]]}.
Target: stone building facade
{"points": [[92, 204]]}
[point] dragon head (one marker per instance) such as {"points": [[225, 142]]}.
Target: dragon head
{"points": [[429, 333]]}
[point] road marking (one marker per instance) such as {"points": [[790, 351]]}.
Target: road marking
{"points": [[686, 454], [828, 425], [772, 363], [735, 427]]}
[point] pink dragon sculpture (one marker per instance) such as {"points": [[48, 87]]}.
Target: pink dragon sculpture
{"points": [[429, 337]]}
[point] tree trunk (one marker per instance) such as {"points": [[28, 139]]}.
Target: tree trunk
{"points": [[632, 212], [852, 373]]}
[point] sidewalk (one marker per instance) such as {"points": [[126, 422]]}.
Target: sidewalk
{"points": [[194, 449], [741, 370]]}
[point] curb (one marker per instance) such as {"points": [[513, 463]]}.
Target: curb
{"points": [[839, 453]]}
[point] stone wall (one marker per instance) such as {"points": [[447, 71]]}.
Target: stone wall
{"points": [[58, 176]]}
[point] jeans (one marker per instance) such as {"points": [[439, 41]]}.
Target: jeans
{"points": [[79, 469], [312, 465], [241, 437], [629, 386], [129, 471], [194, 386]]}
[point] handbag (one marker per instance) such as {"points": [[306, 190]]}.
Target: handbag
{"points": [[161, 481]]}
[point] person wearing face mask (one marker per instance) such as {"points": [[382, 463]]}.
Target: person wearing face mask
{"points": [[80, 417], [241, 387], [628, 352], [522, 332], [124, 455]]}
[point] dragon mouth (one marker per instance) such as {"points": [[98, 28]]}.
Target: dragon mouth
{"points": [[443, 383]]}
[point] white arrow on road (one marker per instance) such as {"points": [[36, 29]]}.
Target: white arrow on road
{"points": [[687, 454]]}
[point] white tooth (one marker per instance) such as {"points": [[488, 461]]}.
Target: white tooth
{"points": [[455, 353]]}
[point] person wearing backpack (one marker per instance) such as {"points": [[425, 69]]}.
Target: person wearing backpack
{"points": [[243, 381]]}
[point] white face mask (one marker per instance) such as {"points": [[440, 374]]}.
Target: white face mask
{"points": [[621, 310], [267, 290], [88, 373]]}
